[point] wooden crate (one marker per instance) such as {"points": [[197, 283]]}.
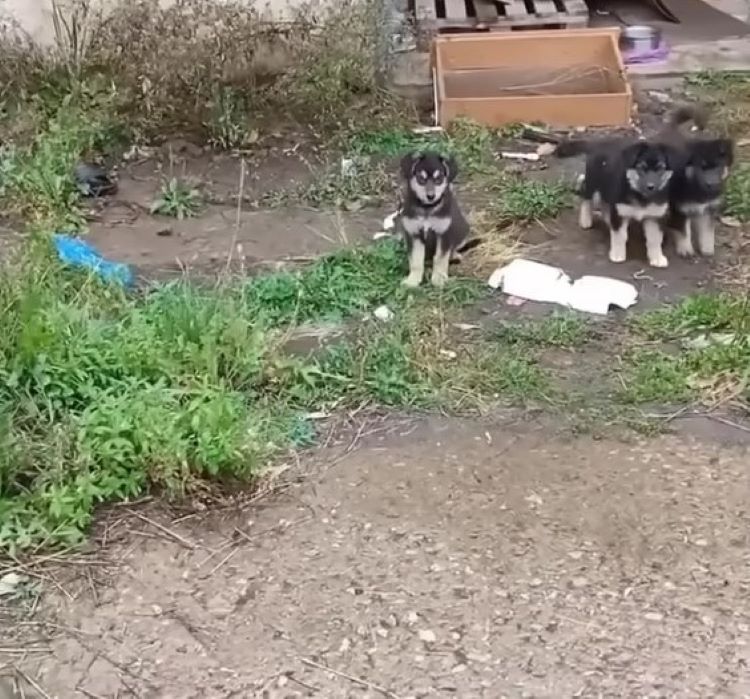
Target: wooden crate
{"points": [[564, 79], [453, 16]]}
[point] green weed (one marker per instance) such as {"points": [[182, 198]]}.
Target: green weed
{"points": [[471, 144], [728, 95], [177, 199], [559, 330], [698, 350], [521, 199], [37, 179], [365, 183], [737, 195], [228, 125]]}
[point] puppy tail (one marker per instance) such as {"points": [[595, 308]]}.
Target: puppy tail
{"points": [[469, 244], [572, 148], [685, 113]]}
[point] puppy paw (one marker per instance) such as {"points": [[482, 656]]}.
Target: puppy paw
{"points": [[586, 220], [707, 250], [658, 260], [684, 247], [439, 279], [617, 256], [412, 281]]}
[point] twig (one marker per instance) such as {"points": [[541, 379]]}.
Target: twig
{"points": [[32, 682], [727, 422], [165, 530], [356, 680], [221, 562], [308, 687], [238, 220]]}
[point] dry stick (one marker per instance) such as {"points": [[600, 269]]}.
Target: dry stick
{"points": [[238, 219], [729, 423], [221, 562], [32, 682], [165, 530], [356, 680]]}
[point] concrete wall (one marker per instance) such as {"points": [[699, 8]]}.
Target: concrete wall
{"points": [[35, 16]]}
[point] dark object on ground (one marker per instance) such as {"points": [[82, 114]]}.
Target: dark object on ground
{"points": [[93, 180]]}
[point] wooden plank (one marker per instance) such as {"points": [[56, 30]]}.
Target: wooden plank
{"points": [[485, 11], [455, 9], [545, 8], [577, 8], [515, 10], [503, 17]]}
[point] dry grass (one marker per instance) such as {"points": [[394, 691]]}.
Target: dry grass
{"points": [[499, 244], [218, 69]]}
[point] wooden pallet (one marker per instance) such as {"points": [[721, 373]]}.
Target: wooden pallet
{"points": [[447, 16]]}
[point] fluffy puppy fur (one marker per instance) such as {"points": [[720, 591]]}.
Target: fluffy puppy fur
{"points": [[698, 185], [632, 181], [431, 220]]}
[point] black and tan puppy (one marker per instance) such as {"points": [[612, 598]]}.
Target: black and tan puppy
{"points": [[632, 181], [431, 220], [698, 185]]}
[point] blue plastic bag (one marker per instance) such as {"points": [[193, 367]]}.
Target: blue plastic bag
{"points": [[78, 253]]}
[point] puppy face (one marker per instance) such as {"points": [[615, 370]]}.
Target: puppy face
{"points": [[709, 162], [648, 168], [428, 175]]}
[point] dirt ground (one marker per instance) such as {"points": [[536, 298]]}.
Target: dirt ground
{"points": [[123, 229], [422, 557]]}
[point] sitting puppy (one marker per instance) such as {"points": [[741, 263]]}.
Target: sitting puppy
{"points": [[698, 184], [433, 225], [632, 181]]}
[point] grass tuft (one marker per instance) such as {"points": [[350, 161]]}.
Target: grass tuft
{"points": [[177, 199], [698, 350]]}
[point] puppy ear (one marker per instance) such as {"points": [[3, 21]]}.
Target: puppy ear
{"points": [[407, 164], [671, 156], [451, 167], [632, 153]]}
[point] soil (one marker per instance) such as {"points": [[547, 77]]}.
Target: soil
{"points": [[123, 229], [433, 558]]}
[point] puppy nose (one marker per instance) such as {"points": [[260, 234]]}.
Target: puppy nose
{"points": [[430, 196], [650, 186]]}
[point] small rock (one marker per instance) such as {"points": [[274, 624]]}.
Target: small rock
{"points": [[661, 97], [701, 542], [576, 555], [580, 582], [412, 618], [458, 669], [164, 232], [654, 616], [9, 583], [383, 313], [427, 636], [345, 645], [536, 582], [731, 221], [545, 149]]}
